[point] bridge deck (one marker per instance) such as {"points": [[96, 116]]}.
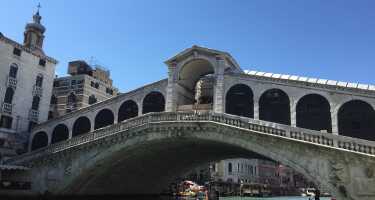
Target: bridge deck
{"points": [[256, 126]]}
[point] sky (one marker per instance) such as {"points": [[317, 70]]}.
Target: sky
{"points": [[330, 39]]}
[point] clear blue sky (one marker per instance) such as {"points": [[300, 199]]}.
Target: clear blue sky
{"points": [[332, 39]]}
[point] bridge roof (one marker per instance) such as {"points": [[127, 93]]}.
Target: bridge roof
{"points": [[189, 51], [312, 81]]}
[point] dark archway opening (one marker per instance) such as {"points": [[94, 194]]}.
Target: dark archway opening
{"points": [[40, 140], [128, 109], [314, 112], [153, 102], [60, 133], [357, 119], [81, 125], [9, 95], [104, 118], [239, 101], [274, 106]]}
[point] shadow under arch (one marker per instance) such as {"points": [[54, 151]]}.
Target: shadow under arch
{"points": [[151, 162]]}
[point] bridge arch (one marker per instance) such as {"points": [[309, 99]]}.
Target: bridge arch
{"points": [[274, 106], [40, 140], [239, 101], [127, 110], [60, 133], [153, 102], [356, 118], [81, 125], [103, 118], [313, 111]]}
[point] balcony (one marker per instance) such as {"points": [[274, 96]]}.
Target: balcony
{"points": [[11, 82], [6, 108], [33, 115], [37, 91]]}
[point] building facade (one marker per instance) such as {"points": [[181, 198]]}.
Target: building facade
{"points": [[26, 77], [86, 85]]}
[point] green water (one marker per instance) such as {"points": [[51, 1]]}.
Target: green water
{"points": [[271, 198]]}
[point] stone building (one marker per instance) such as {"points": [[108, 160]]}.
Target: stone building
{"points": [[86, 85], [26, 77]]}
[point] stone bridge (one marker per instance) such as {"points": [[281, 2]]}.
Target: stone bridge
{"points": [[209, 109]]}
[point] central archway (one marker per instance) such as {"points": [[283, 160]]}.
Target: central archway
{"points": [[274, 106], [195, 83]]}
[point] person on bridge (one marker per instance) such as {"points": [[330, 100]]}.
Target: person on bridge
{"points": [[317, 194]]}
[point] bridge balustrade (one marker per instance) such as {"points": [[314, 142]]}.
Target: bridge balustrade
{"points": [[258, 126]]}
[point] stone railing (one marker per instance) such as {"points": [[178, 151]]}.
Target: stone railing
{"points": [[11, 82], [246, 124], [6, 108], [34, 115]]}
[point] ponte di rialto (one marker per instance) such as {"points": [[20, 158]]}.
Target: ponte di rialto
{"points": [[208, 106]]}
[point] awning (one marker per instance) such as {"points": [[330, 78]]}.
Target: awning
{"points": [[13, 167]]}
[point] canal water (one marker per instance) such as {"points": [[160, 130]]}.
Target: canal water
{"points": [[271, 198]]}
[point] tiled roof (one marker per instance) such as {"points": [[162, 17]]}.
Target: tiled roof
{"points": [[303, 79]]}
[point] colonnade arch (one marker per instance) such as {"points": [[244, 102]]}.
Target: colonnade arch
{"points": [[274, 106], [60, 133], [40, 140], [239, 101], [153, 102], [127, 110], [356, 118], [104, 118], [81, 125], [313, 111]]}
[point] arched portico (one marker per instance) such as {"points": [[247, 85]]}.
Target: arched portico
{"points": [[40, 140], [274, 106], [60, 133]]}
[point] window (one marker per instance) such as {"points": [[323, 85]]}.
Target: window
{"points": [[97, 85], [109, 91], [9, 95], [56, 84], [39, 81], [13, 71], [17, 51], [72, 99], [35, 104], [53, 100], [73, 82], [92, 99], [6, 122], [92, 84], [42, 62], [230, 168]]}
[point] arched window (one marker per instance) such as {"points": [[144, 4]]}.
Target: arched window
{"points": [[92, 99], [274, 106], [13, 70], [9, 95], [35, 103], [39, 80], [153, 102], [60, 133], [313, 112], [39, 140], [230, 168], [128, 109], [356, 119], [72, 99], [53, 100], [81, 125], [104, 118], [239, 101]]}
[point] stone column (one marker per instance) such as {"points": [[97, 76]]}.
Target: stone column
{"points": [[256, 106], [70, 132], [334, 120], [218, 106], [293, 114], [171, 100]]}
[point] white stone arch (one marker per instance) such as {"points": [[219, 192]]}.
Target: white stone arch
{"points": [[347, 99], [125, 99], [198, 56], [90, 116], [53, 130], [147, 92], [31, 138], [109, 107], [326, 96]]}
